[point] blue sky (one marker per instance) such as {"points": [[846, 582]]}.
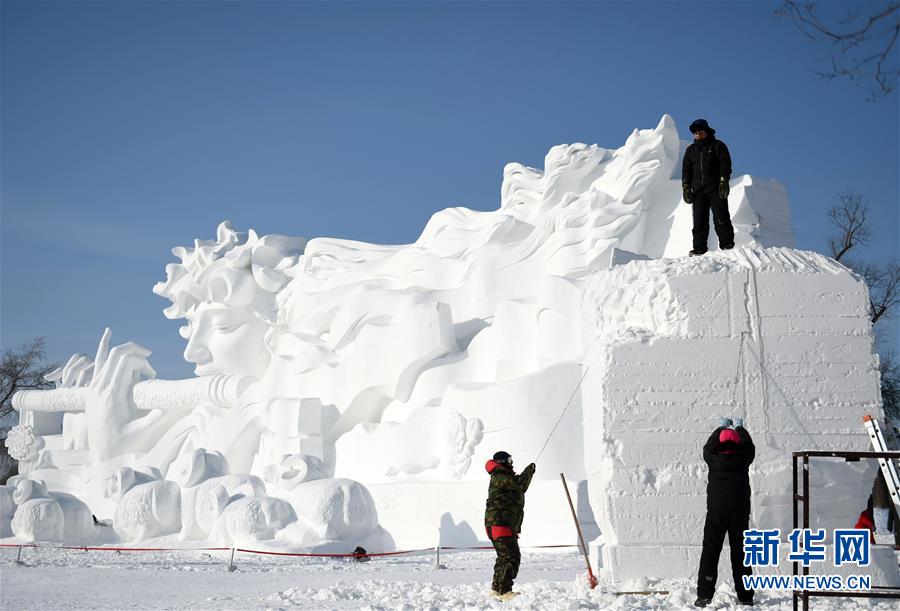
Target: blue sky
{"points": [[130, 128]]}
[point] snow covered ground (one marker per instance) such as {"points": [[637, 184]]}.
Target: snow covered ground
{"points": [[55, 579]]}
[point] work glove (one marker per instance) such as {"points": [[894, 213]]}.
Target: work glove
{"points": [[686, 193], [738, 423], [724, 189], [725, 423]]}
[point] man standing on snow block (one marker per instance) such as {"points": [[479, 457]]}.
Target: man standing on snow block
{"points": [[705, 173], [503, 519], [728, 452]]}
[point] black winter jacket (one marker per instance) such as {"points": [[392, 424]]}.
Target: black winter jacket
{"points": [[729, 462], [705, 162], [506, 496]]}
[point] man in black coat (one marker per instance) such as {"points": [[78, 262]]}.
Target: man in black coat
{"points": [[729, 453], [705, 173], [503, 515]]}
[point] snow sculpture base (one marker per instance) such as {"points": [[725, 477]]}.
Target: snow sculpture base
{"points": [[778, 337]]}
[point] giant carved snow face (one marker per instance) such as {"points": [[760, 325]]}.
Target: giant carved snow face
{"points": [[226, 339]]}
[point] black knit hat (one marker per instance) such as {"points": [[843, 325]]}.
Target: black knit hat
{"points": [[701, 125], [502, 457]]}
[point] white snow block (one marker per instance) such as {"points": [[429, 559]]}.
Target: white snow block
{"points": [[78, 523], [7, 509], [293, 418], [453, 512], [678, 344]]}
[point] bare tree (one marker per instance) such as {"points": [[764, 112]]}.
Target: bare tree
{"points": [[890, 384], [850, 216], [862, 42], [884, 286], [21, 368]]}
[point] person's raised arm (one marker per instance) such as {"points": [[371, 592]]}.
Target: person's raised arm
{"points": [[525, 476], [747, 447], [710, 444]]}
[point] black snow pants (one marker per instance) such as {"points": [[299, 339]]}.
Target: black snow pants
{"points": [[507, 565], [703, 203], [721, 520]]}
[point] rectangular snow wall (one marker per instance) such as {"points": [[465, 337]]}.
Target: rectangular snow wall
{"points": [[413, 512], [779, 337]]}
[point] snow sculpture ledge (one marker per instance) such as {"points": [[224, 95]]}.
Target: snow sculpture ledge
{"points": [[349, 393]]}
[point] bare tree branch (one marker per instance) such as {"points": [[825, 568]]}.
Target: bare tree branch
{"points": [[889, 366], [22, 368], [884, 286], [860, 44], [850, 216]]}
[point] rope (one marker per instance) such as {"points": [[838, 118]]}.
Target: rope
{"points": [[739, 375], [118, 549], [366, 555], [572, 396]]}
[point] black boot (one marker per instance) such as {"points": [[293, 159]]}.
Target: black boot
{"points": [[702, 602]]}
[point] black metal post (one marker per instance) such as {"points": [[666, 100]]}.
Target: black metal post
{"points": [[795, 499], [805, 522]]}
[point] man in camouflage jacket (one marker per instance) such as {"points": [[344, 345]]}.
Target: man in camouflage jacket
{"points": [[503, 518]]}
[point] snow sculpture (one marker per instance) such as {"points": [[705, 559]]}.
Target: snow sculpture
{"points": [[42, 515], [202, 504], [22, 443], [38, 520], [246, 519], [343, 387], [148, 510], [333, 510]]}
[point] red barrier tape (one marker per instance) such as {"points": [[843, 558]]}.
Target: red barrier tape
{"points": [[491, 547], [409, 551], [255, 551], [145, 549], [119, 549]]}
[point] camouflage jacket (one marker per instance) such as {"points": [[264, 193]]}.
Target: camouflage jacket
{"points": [[506, 496]]}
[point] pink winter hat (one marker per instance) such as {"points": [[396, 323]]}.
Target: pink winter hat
{"points": [[729, 435]]}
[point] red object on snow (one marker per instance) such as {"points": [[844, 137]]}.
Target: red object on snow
{"points": [[866, 521]]}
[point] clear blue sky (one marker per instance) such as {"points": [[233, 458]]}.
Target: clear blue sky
{"points": [[129, 128]]}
